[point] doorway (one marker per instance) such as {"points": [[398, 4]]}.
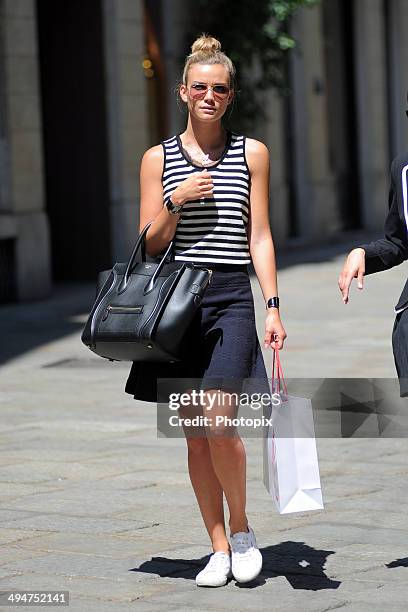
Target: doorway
{"points": [[342, 115], [72, 82]]}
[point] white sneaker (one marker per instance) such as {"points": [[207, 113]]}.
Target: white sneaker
{"points": [[246, 556], [217, 571]]}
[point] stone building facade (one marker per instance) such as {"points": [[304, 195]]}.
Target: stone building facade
{"points": [[86, 87]]}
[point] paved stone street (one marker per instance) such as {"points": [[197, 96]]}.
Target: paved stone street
{"points": [[93, 502]]}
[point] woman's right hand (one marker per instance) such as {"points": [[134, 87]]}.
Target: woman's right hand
{"points": [[198, 185], [354, 267]]}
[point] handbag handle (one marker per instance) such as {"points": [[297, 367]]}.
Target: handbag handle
{"points": [[143, 245], [280, 379], [140, 242]]}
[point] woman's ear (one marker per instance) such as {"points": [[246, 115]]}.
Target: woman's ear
{"points": [[183, 92]]}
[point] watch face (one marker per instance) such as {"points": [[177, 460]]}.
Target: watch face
{"points": [[173, 208]]}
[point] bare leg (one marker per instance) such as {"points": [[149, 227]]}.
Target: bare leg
{"points": [[228, 459], [206, 485]]}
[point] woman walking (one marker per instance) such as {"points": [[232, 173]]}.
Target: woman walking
{"points": [[207, 188]]}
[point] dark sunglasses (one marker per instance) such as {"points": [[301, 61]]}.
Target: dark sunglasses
{"points": [[199, 90]]}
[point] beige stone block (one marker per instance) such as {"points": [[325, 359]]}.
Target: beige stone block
{"points": [[124, 227], [134, 156], [26, 151], [375, 185], [20, 37], [109, 8], [28, 192], [21, 75], [131, 76], [133, 111], [130, 183], [23, 112], [324, 220], [8, 226], [130, 39], [18, 8], [372, 112], [33, 257], [272, 134], [398, 58], [133, 147], [129, 10], [278, 217], [5, 183], [142, 128]]}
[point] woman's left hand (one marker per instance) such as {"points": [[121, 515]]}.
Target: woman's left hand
{"points": [[274, 331]]}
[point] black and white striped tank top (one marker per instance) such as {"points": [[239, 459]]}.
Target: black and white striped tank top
{"points": [[211, 229]]}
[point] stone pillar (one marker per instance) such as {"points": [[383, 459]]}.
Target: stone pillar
{"points": [[272, 134], [397, 66], [22, 207], [371, 90], [176, 21], [316, 207], [127, 117]]}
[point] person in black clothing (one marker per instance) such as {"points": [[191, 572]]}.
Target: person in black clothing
{"points": [[383, 254]]}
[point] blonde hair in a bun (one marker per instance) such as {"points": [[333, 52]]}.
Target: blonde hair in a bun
{"points": [[207, 50], [206, 44]]}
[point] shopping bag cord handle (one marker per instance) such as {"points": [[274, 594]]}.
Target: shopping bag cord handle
{"points": [[279, 373]]}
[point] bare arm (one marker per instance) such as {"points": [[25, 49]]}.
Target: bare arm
{"points": [[164, 223], [260, 237]]}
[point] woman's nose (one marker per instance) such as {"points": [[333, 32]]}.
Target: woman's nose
{"points": [[209, 94]]}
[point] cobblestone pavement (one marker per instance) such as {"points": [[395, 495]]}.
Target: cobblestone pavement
{"points": [[93, 502]]}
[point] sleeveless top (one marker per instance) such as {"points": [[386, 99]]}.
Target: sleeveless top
{"points": [[211, 229]]}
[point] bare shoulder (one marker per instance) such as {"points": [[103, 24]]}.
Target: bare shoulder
{"points": [[153, 158], [154, 155], [257, 154], [256, 147]]}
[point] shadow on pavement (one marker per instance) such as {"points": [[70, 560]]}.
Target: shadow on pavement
{"points": [[26, 325], [300, 564]]}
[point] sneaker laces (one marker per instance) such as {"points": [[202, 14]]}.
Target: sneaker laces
{"points": [[216, 560]]}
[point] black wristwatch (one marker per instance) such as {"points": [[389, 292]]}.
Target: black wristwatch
{"points": [[273, 302], [171, 207]]}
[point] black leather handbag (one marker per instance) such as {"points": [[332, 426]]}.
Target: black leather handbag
{"points": [[143, 309]]}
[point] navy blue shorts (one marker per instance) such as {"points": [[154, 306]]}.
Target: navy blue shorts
{"points": [[221, 347]]}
